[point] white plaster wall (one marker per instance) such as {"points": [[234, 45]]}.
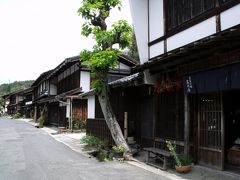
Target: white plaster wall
{"points": [[155, 19], [156, 49], [53, 89], [68, 108], [124, 66], [91, 107], [85, 80], [148, 78], [230, 17], [139, 12], [199, 31]]}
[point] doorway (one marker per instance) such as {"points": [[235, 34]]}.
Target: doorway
{"points": [[232, 128], [210, 130]]}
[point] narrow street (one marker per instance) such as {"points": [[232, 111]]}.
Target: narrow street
{"points": [[28, 153]]}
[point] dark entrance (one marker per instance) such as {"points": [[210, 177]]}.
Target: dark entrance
{"points": [[232, 128], [53, 114]]}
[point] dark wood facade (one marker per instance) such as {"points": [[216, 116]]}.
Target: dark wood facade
{"points": [[42, 93], [67, 108], [200, 115], [20, 102]]}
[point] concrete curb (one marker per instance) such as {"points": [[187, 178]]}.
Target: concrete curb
{"points": [[154, 170]]}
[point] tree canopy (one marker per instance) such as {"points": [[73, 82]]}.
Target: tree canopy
{"points": [[103, 57]]}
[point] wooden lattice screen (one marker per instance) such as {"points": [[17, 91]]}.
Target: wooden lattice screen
{"points": [[210, 120], [99, 128]]}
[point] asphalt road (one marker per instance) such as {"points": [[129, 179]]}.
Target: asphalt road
{"points": [[28, 153]]}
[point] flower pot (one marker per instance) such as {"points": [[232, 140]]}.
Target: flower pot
{"points": [[183, 169], [118, 154]]}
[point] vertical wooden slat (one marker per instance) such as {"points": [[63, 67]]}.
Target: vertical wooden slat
{"points": [[222, 131], [199, 129], [205, 120], [216, 117], [216, 122]]}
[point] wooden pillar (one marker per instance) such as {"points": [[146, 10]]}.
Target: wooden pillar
{"points": [[125, 125], [35, 113], [186, 124]]}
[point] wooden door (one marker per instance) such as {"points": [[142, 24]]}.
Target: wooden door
{"points": [[62, 117], [210, 130], [53, 114], [146, 120], [79, 113]]}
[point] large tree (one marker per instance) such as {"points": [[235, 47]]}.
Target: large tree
{"points": [[132, 50], [104, 57]]}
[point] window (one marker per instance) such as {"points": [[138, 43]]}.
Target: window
{"points": [[44, 86], [69, 82], [180, 11]]}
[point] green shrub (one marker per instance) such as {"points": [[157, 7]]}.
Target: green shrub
{"points": [[17, 115], [79, 124], [104, 155], [92, 141], [119, 148], [42, 121], [185, 160], [180, 160]]}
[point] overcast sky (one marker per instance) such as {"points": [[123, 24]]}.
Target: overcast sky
{"points": [[37, 35]]}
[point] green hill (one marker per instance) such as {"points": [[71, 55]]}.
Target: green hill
{"points": [[15, 86]]}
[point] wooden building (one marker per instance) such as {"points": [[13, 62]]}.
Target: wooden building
{"points": [[67, 109], [19, 102], [190, 59], [14, 102], [27, 108], [44, 90], [55, 90]]}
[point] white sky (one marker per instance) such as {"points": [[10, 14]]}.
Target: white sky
{"points": [[37, 35]]}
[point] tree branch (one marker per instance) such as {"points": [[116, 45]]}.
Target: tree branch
{"points": [[100, 19]]}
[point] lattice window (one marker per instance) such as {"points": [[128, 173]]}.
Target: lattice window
{"points": [[210, 115]]}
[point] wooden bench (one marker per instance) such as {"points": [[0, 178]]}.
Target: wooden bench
{"points": [[158, 152], [160, 149]]}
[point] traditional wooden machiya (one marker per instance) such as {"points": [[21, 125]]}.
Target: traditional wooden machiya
{"points": [[190, 57], [56, 93]]}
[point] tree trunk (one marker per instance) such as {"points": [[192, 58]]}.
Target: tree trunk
{"points": [[111, 120]]}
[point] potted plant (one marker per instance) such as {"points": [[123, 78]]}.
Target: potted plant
{"points": [[183, 162], [118, 151]]}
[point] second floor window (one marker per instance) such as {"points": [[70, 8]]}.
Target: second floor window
{"points": [[69, 79], [180, 11]]}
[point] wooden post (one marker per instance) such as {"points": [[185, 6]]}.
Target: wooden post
{"points": [[71, 120], [186, 124], [35, 114], [125, 125]]}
